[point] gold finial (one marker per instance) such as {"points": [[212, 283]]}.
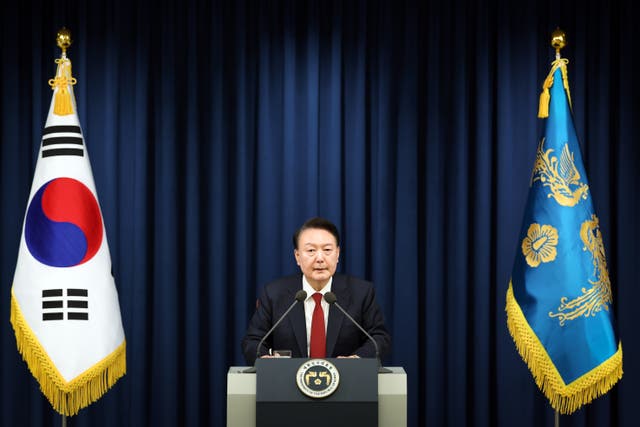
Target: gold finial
{"points": [[63, 39], [63, 80], [558, 40]]}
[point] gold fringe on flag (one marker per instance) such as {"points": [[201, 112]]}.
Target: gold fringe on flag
{"points": [[543, 107], [63, 104], [565, 398], [65, 397]]}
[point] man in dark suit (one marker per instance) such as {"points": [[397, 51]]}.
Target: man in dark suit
{"points": [[314, 328]]}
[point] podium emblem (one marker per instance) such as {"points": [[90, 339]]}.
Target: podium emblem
{"points": [[318, 378]]}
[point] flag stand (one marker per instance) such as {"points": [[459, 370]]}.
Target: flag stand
{"points": [[557, 424], [64, 421]]}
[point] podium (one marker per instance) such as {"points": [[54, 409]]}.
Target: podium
{"points": [[273, 397]]}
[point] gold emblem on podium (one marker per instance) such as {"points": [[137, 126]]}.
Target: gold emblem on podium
{"points": [[317, 378]]}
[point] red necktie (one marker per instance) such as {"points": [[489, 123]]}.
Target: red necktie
{"points": [[318, 344]]}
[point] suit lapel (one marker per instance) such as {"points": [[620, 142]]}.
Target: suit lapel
{"points": [[296, 315], [298, 323], [343, 296]]}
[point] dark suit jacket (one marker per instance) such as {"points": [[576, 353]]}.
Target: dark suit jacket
{"points": [[356, 296]]}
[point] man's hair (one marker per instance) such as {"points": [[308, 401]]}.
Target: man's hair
{"points": [[319, 223]]}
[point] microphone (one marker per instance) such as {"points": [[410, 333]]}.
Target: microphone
{"points": [[331, 299], [301, 295]]}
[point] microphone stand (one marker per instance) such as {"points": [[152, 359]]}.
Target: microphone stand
{"points": [[331, 299], [300, 296]]}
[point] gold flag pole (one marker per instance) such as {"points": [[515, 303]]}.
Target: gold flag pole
{"points": [[558, 41], [63, 40]]}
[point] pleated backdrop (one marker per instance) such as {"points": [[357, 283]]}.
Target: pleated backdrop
{"points": [[216, 128]]}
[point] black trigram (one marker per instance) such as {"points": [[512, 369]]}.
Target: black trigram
{"points": [[62, 141], [53, 304]]}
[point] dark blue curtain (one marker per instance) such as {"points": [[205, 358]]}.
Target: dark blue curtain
{"points": [[215, 128]]}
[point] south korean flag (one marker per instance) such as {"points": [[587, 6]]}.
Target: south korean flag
{"points": [[64, 304]]}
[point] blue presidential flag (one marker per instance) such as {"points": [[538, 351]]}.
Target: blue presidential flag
{"points": [[559, 302], [64, 304]]}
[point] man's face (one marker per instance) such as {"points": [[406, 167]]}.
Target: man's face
{"points": [[317, 255]]}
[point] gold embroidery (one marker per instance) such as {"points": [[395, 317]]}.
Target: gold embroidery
{"points": [[561, 177], [540, 244], [564, 397], [592, 301]]}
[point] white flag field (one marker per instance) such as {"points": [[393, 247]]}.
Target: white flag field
{"points": [[64, 303]]}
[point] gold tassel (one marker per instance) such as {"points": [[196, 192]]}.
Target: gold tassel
{"points": [[65, 397], [63, 103], [543, 107], [545, 97], [565, 398]]}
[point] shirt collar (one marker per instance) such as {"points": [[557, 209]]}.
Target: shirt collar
{"points": [[310, 291]]}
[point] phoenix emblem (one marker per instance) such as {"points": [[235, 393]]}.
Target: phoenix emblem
{"points": [[592, 300], [561, 177]]}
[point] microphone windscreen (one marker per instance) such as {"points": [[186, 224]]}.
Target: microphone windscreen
{"points": [[330, 297], [301, 295]]}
